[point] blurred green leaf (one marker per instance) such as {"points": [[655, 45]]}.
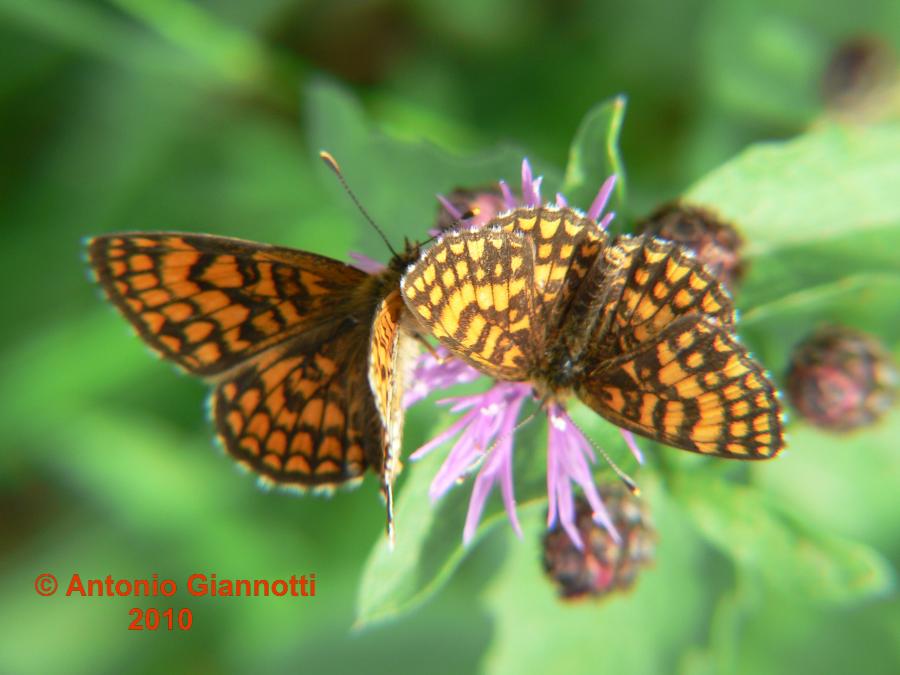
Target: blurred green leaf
{"points": [[396, 179], [843, 483], [429, 537], [868, 302], [429, 543], [827, 184], [762, 61], [822, 242], [594, 154], [627, 632], [789, 555]]}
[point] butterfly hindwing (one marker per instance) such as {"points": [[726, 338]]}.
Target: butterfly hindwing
{"points": [[210, 303], [303, 413], [693, 387]]}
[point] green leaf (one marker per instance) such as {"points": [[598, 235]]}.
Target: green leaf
{"points": [[788, 555], [845, 483], [827, 184], [869, 302], [822, 241], [397, 180], [429, 543], [628, 632], [594, 154]]}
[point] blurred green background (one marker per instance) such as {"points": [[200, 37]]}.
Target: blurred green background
{"points": [[208, 116]]}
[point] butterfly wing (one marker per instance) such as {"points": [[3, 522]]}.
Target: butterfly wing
{"points": [[285, 335], [649, 283], [473, 290], [390, 357], [565, 247], [494, 296], [210, 303], [693, 387], [302, 413], [663, 360]]}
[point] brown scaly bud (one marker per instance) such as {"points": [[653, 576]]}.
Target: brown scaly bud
{"points": [[603, 565], [715, 243], [841, 379]]}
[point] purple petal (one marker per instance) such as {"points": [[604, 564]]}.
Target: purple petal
{"points": [[366, 264], [606, 220], [568, 452], [602, 197], [536, 187], [508, 198], [440, 439], [452, 210], [431, 374], [632, 445], [529, 196], [560, 200], [485, 436]]}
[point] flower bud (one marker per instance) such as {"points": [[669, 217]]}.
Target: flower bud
{"points": [[841, 379], [716, 244], [604, 565]]}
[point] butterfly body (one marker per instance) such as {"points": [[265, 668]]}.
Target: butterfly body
{"points": [[306, 354], [635, 327]]}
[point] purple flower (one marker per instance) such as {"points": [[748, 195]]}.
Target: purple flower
{"points": [[366, 264], [484, 434], [485, 439]]}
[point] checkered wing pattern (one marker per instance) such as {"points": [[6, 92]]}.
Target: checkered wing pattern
{"points": [[495, 296], [210, 303], [474, 290], [305, 390], [303, 414], [693, 386], [648, 283], [565, 246]]}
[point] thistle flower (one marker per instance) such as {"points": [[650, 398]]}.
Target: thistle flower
{"points": [[715, 243], [603, 565], [485, 432], [841, 379]]}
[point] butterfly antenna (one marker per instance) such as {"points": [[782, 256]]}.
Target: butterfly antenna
{"points": [[624, 477], [334, 166]]}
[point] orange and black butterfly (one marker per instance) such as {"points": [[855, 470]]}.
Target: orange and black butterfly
{"points": [[635, 327], [307, 355]]}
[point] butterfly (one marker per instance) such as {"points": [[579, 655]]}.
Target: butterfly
{"points": [[635, 327], [307, 355]]}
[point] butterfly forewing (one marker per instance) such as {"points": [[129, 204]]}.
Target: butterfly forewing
{"points": [[210, 303], [474, 290], [694, 387], [565, 245]]}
